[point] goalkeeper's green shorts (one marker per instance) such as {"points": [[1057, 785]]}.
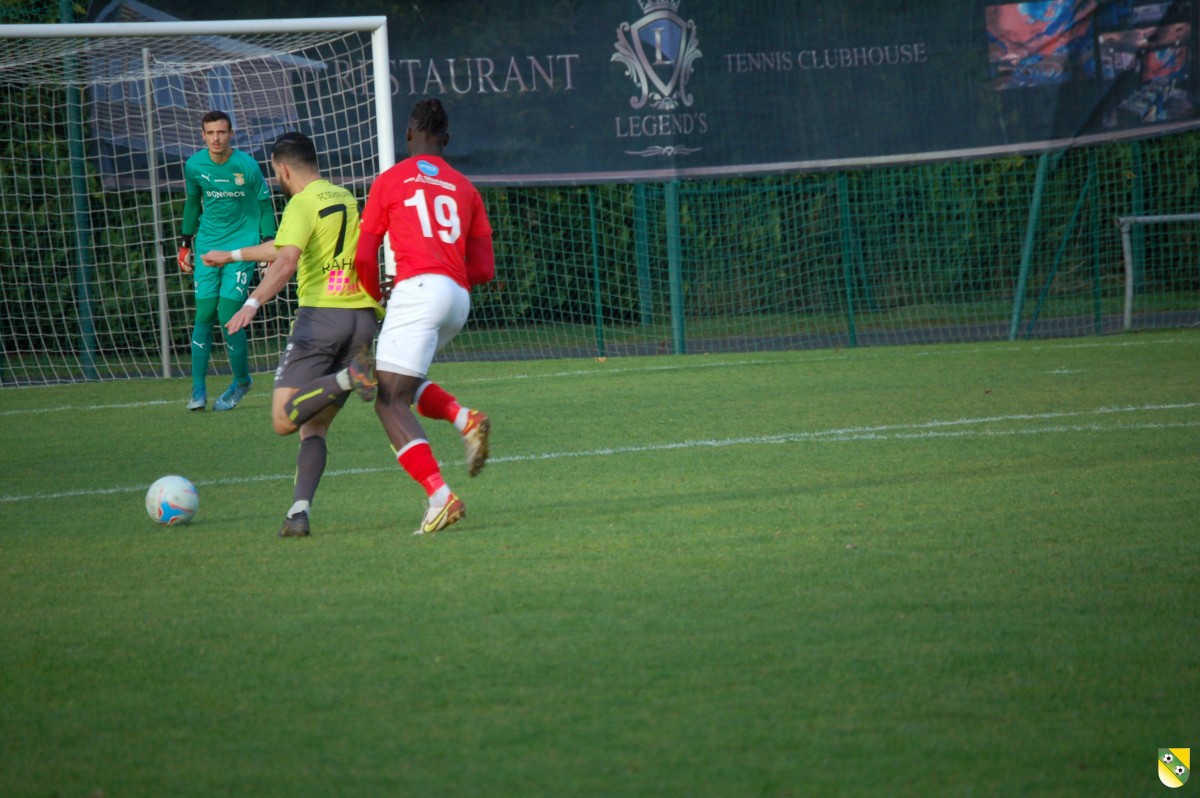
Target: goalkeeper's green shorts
{"points": [[231, 281]]}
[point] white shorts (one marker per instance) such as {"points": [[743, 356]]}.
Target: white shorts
{"points": [[423, 315]]}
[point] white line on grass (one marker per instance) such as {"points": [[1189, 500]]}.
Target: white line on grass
{"points": [[951, 428], [824, 357], [698, 361], [76, 408], [866, 434]]}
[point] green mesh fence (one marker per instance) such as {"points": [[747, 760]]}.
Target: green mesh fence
{"points": [[995, 249], [1019, 247]]}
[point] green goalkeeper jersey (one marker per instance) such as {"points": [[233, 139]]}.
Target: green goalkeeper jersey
{"points": [[231, 196], [322, 222]]}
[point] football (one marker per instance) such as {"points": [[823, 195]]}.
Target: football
{"points": [[172, 500]]}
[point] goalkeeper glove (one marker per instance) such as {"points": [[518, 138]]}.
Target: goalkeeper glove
{"points": [[185, 254]]}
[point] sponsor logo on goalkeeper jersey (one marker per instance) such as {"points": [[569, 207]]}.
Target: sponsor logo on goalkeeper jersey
{"points": [[659, 54], [224, 194], [1174, 766]]}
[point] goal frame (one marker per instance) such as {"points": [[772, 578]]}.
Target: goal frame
{"points": [[376, 26], [1126, 224]]}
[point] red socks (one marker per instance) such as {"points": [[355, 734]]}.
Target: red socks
{"points": [[434, 402], [417, 459]]}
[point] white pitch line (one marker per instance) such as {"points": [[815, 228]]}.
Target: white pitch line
{"points": [[915, 431], [697, 361], [76, 408], [837, 436], [598, 371]]}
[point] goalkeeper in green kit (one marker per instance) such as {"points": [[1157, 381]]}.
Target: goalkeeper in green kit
{"points": [[228, 207]]}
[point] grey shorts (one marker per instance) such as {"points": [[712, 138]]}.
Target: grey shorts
{"points": [[322, 342]]}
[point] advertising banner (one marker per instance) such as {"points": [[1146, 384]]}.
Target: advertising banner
{"points": [[656, 89]]}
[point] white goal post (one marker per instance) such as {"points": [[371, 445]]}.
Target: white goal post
{"points": [[1126, 224], [99, 118]]}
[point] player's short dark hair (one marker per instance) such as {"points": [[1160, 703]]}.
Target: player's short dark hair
{"points": [[216, 116], [428, 116], [295, 148]]}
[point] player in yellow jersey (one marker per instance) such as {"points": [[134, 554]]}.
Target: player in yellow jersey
{"points": [[328, 353]]}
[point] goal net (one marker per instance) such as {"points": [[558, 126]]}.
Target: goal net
{"points": [[100, 119]]}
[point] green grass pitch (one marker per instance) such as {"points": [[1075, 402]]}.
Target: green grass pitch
{"points": [[946, 570]]}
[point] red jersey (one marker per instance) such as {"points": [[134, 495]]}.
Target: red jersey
{"points": [[429, 211]]}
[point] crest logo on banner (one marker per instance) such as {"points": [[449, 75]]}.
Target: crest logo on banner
{"points": [[1174, 766], [658, 52]]}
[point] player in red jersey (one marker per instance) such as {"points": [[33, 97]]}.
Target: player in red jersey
{"points": [[439, 232]]}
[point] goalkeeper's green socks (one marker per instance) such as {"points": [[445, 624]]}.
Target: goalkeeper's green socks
{"points": [[202, 338], [236, 344]]}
